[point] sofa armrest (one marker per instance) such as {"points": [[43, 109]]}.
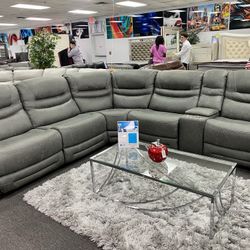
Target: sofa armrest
{"points": [[207, 112]]}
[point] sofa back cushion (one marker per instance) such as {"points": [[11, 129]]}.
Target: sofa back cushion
{"points": [[91, 90], [236, 103], [6, 76], [133, 88], [47, 100], [54, 72], [20, 75], [176, 90], [13, 119], [213, 89]]}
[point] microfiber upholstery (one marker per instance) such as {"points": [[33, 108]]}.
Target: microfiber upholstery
{"points": [[80, 133], [47, 100], [132, 89], [237, 97], [51, 120], [112, 116], [228, 136], [25, 153], [154, 124], [27, 149], [13, 119], [6, 76], [20, 75], [54, 72], [229, 139], [213, 88], [228, 133], [176, 91], [92, 92]]}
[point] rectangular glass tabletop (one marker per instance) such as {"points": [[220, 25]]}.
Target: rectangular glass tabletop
{"points": [[195, 173]]}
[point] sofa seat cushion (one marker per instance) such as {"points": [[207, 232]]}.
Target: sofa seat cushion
{"points": [[80, 128], [27, 149], [156, 123], [228, 133], [114, 115]]}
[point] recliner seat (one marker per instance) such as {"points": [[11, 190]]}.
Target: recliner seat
{"points": [[49, 104], [25, 153]]}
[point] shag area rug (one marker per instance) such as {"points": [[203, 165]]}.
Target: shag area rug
{"points": [[69, 200]]}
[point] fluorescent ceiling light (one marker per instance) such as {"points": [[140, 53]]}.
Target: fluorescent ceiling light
{"points": [[82, 25], [115, 21], [86, 12], [197, 11], [177, 11], [37, 19], [136, 15], [131, 4], [1, 16], [234, 2], [30, 6], [245, 20], [244, 5], [156, 17], [8, 24]]}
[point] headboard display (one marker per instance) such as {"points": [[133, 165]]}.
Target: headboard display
{"points": [[234, 46]]}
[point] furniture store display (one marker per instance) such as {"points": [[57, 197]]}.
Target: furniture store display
{"points": [[227, 51], [52, 120]]}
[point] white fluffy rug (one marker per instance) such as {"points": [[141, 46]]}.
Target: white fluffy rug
{"points": [[69, 200]]}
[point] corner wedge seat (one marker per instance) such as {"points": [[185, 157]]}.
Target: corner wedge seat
{"points": [[49, 104], [157, 125], [229, 136], [25, 153], [175, 92], [132, 89]]}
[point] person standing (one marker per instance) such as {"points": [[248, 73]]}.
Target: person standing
{"points": [[185, 52], [75, 53], [158, 50]]}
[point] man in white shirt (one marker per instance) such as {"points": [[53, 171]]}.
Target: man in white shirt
{"points": [[75, 53], [185, 50]]}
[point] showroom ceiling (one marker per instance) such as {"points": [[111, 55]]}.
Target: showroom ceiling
{"points": [[58, 10]]}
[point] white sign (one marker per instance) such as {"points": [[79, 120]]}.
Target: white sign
{"points": [[128, 134]]}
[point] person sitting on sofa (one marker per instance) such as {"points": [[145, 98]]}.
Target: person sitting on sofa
{"points": [[75, 53], [158, 50]]}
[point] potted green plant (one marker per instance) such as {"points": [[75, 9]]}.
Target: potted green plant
{"points": [[41, 50], [193, 37]]}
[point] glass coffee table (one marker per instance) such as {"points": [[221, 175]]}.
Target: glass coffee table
{"points": [[198, 174]]}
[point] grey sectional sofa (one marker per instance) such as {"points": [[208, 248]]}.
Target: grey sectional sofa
{"points": [[49, 121]]}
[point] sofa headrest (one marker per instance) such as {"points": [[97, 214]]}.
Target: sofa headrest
{"points": [[13, 119], [213, 88], [20, 75], [236, 103], [47, 100], [133, 88], [92, 91], [176, 90], [6, 76]]}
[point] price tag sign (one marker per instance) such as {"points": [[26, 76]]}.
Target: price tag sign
{"points": [[128, 134]]}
